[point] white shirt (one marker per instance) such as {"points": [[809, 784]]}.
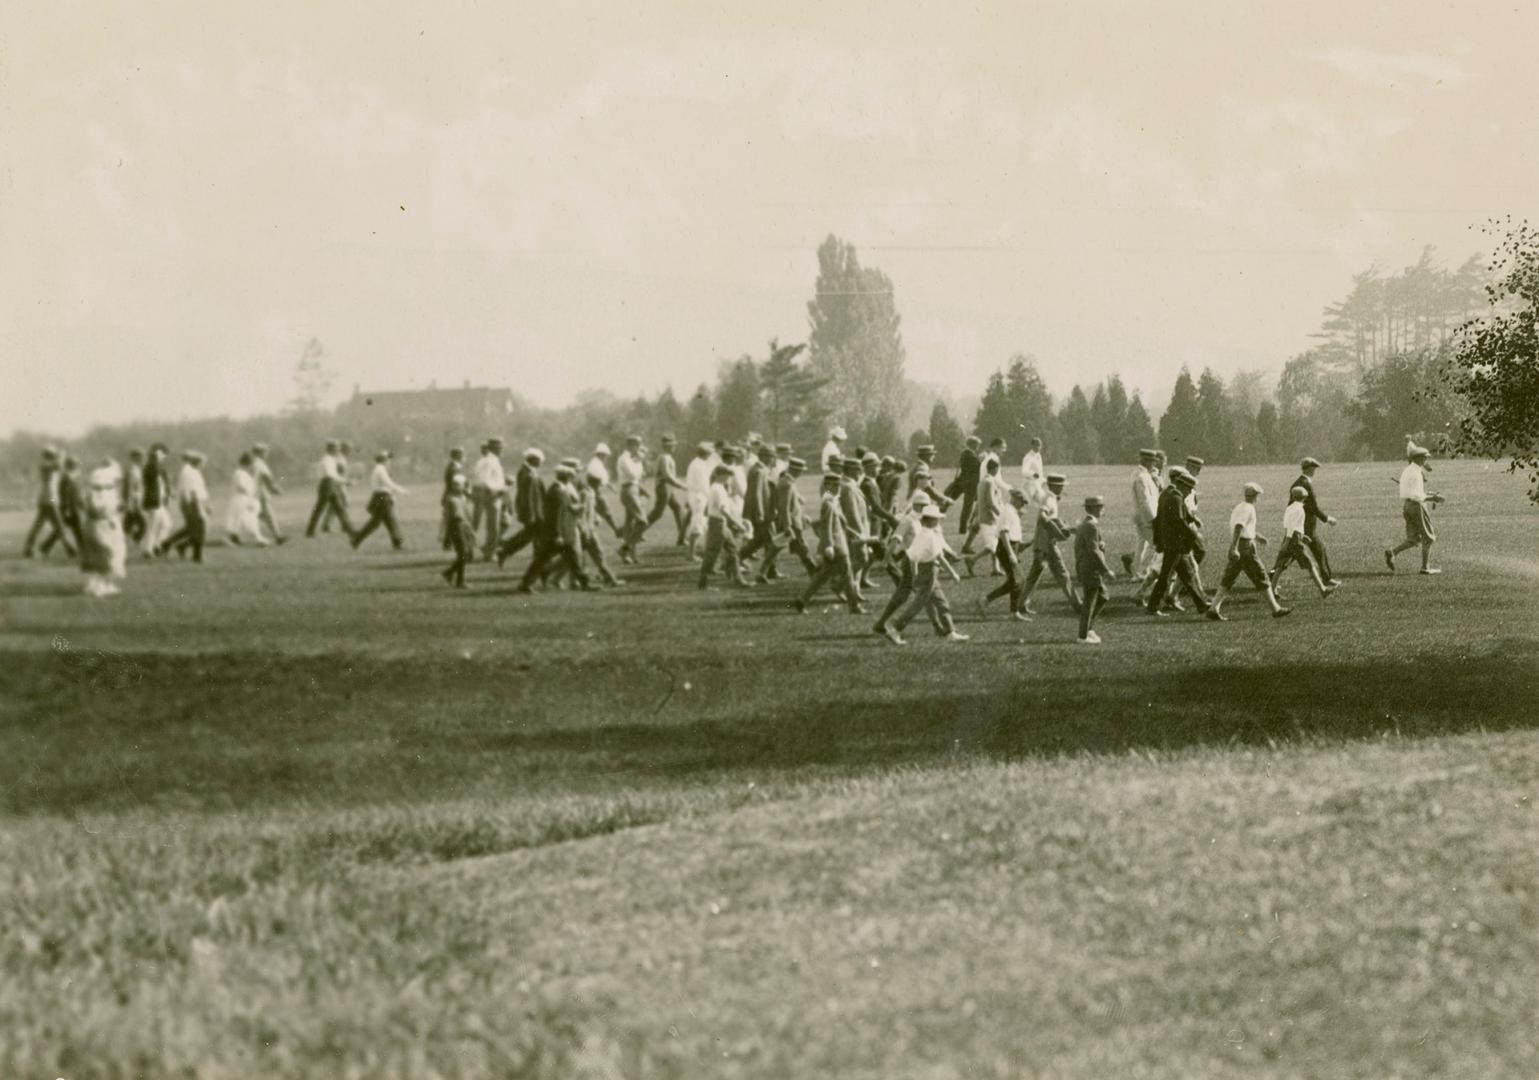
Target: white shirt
{"points": [[1245, 517], [1146, 496], [628, 469], [598, 470], [262, 475], [379, 481], [697, 478], [190, 486], [1293, 519], [329, 468], [738, 487], [928, 545], [488, 473], [831, 449], [1010, 521], [1413, 484], [720, 504], [1031, 467], [103, 497], [245, 484]]}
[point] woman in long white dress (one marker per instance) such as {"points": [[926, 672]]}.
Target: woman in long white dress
{"points": [[242, 517], [103, 547]]}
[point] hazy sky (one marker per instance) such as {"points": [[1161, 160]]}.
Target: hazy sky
{"points": [[557, 197]]}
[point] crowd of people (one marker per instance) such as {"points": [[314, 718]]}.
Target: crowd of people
{"points": [[737, 511]]}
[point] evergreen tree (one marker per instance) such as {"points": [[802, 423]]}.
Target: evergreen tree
{"points": [[667, 416], [881, 435], [1268, 442], [1111, 422], [945, 433], [791, 406], [1082, 444], [996, 416], [1216, 442], [1030, 405], [1138, 429], [737, 399], [1181, 429]]}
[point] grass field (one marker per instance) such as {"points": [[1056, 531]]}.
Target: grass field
{"points": [[309, 812]]}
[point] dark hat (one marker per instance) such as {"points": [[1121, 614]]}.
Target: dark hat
{"points": [[850, 464], [50, 454], [633, 439], [1094, 501], [868, 458], [973, 440], [332, 444], [720, 471], [1181, 478], [495, 441], [383, 455], [924, 448], [669, 440], [996, 441], [1147, 454], [830, 479], [1056, 479], [1195, 461], [456, 452], [783, 448], [1309, 463]]}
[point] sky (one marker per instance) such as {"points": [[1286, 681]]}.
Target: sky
{"points": [[558, 197]]}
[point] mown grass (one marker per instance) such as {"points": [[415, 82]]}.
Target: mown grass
{"points": [[306, 813]]}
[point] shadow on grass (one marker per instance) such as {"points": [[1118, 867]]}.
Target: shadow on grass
{"points": [[96, 731]]}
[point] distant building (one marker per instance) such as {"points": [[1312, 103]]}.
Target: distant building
{"points": [[464, 407]]}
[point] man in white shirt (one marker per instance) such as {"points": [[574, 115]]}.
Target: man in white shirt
{"points": [[669, 488], [630, 471], [329, 479], [192, 495], [928, 553], [1413, 508], [724, 530], [1295, 546], [1242, 558], [697, 485], [382, 493], [781, 462], [1050, 532], [1146, 496], [598, 470], [491, 481], [1031, 472], [832, 457], [267, 491]]}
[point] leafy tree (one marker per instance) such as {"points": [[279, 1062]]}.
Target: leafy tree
{"points": [[1181, 428], [1494, 364], [1267, 442], [1312, 410], [945, 433], [667, 416], [881, 435], [790, 403], [1082, 443], [856, 339], [1393, 402], [700, 417], [312, 380]]}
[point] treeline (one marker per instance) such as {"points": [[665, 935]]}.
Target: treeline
{"points": [[1355, 395]]}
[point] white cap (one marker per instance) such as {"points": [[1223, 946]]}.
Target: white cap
{"points": [[601, 448], [838, 433]]}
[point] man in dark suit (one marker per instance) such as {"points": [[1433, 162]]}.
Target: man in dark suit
{"points": [[49, 498], [965, 484], [528, 506], [756, 505], [1173, 540], [1313, 515]]}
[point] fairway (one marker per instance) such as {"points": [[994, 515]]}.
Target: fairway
{"points": [[307, 811]]}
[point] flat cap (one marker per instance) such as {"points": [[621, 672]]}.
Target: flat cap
{"points": [[925, 448], [1253, 488], [1309, 463], [797, 463], [706, 446], [534, 455], [1094, 501], [570, 463], [1195, 460]]}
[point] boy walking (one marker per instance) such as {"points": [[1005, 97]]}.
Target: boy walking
{"points": [[927, 553], [1243, 560], [1091, 568], [1295, 545]]}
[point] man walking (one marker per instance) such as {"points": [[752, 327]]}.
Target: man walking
{"points": [[1413, 508], [756, 507], [134, 523], [1242, 558], [671, 492], [48, 514], [559, 540], [267, 490], [1146, 496], [1313, 515], [857, 521], [1050, 532], [382, 493], [528, 507], [192, 495], [965, 484], [787, 523], [461, 534], [1173, 539], [1091, 568], [157, 501], [834, 568], [723, 526], [630, 471], [927, 553], [328, 491], [490, 483]]}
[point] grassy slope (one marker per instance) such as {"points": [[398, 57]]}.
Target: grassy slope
{"points": [[305, 810]]}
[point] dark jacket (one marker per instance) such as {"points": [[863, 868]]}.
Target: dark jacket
{"points": [[969, 470], [157, 485], [1172, 523], [756, 500], [1090, 565], [1313, 515], [529, 498]]}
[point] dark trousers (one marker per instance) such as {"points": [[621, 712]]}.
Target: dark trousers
{"points": [[1175, 563], [48, 516], [759, 541], [328, 501], [337, 512], [1004, 554], [1317, 549], [595, 552], [903, 593], [667, 498], [381, 512], [837, 574], [720, 541], [134, 523], [528, 533], [969, 503], [1090, 606], [635, 518], [192, 534], [554, 555], [463, 540], [1296, 549], [796, 545]]}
